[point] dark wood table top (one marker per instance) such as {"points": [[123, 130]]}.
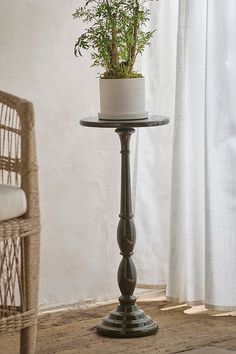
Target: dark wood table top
{"points": [[152, 121]]}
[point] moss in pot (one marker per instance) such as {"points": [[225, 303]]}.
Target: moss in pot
{"points": [[116, 36]]}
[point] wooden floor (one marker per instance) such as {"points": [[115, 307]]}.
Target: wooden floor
{"points": [[73, 332]]}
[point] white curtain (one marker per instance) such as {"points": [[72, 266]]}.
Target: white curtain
{"points": [[202, 250]]}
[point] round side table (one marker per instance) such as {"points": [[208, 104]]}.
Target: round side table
{"points": [[127, 320]]}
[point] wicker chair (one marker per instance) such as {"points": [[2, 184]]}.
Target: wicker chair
{"points": [[19, 237]]}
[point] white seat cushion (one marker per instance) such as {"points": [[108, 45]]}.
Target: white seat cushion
{"points": [[12, 202]]}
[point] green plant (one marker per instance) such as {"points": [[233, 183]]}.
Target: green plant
{"points": [[116, 34]]}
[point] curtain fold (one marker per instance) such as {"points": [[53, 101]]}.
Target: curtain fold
{"points": [[202, 262], [221, 156]]}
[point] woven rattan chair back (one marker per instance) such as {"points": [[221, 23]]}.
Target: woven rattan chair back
{"points": [[19, 238]]}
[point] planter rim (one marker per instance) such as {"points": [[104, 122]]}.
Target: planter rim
{"points": [[128, 78]]}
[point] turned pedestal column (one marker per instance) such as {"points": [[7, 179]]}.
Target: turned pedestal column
{"points": [[127, 320]]}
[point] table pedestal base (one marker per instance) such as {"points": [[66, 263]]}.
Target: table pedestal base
{"points": [[127, 321]]}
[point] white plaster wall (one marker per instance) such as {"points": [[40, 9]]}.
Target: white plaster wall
{"points": [[79, 167], [155, 146]]}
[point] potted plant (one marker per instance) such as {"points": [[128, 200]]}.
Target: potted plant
{"points": [[116, 36]]}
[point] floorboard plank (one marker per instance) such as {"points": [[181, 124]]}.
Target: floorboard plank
{"points": [[73, 332]]}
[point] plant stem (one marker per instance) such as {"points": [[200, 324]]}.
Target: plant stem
{"points": [[114, 48], [135, 36]]}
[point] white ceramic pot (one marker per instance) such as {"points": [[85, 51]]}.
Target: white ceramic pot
{"points": [[122, 99]]}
